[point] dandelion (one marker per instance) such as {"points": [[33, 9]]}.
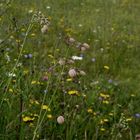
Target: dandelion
{"points": [[27, 119], [73, 92], [72, 73], [60, 120]]}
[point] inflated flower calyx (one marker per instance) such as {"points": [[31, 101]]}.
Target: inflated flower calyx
{"points": [[72, 73], [70, 41], [60, 120]]}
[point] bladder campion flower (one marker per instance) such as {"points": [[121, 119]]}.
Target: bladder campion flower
{"points": [[72, 73], [60, 120]]}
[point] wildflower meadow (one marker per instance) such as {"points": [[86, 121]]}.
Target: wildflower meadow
{"points": [[69, 69]]}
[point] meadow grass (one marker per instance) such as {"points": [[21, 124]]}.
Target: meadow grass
{"points": [[96, 97]]}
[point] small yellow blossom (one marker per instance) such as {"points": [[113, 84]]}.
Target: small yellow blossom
{"points": [[133, 95], [105, 102], [45, 107], [102, 129], [28, 118], [90, 110], [104, 95], [73, 92], [105, 120], [11, 90], [33, 35], [51, 56], [49, 116], [110, 114], [69, 79], [35, 82], [106, 67], [129, 119]]}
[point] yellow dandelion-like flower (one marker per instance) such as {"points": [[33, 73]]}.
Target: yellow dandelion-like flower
{"points": [[90, 110], [11, 90], [110, 114], [129, 119], [49, 116], [33, 35], [102, 129], [27, 119], [105, 120], [104, 95], [106, 67], [69, 79], [105, 102], [35, 82], [45, 107], [133, 95], [73, 92]]}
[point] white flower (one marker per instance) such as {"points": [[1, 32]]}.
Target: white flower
{"points": [[44, 29], [62, 61], [82, 73], [72, 73], [77, 58], [60, 120], [86, 45]]}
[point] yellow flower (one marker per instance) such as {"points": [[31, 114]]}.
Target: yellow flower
{"points": [[73, 92], [133, 95], [104, 95], [102, 129], [35, 82], [105, 102], [129, 119], [33, 35], [27, 119], [49, 116], [90, 110], [110, 114], [69, 79], [105, 120], [11, 90], [45, 107], [106, 67]]}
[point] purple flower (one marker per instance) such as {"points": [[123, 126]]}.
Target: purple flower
{"points": [[110, 81], [137, 115]]}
